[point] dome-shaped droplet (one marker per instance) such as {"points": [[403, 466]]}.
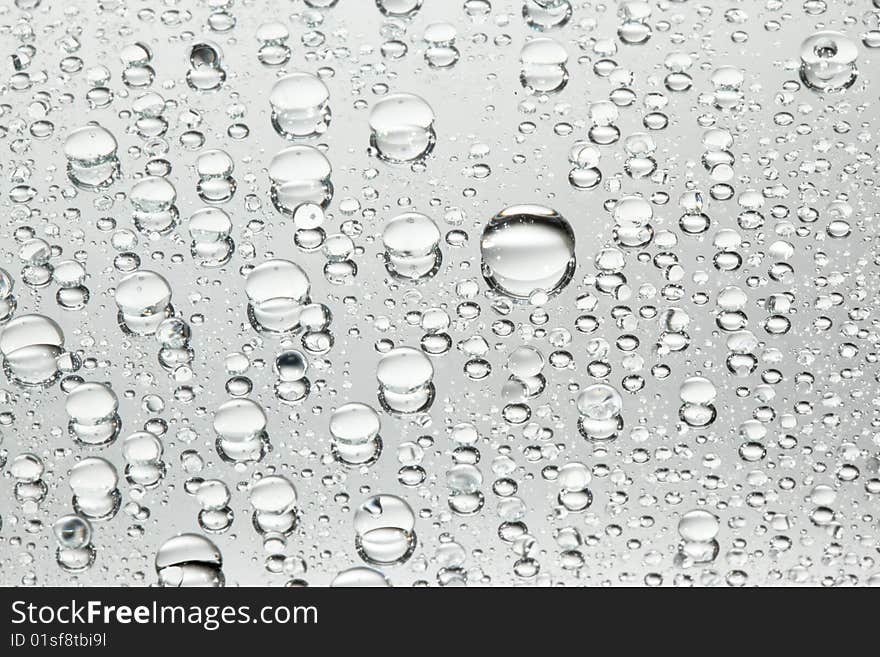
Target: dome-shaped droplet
{"points": [[92, 409], [91, 403], [73, 534], [384, 530], [91, 156], [698, 525], [543, 65], [828, 61], [527, 249], [277, 291], [697, 390], [72, 531], [90, 145], [354, 428], [360, 577], [210, 229], [141, 447], [240, 425], [600, 408], [405, 381], [300, 174], [354, 423], [404, 369], [144, 300], [291, 365], [30, 346], [411, 243], [94, 484], [189, 560], [274, 501], [300, 105], [402, 127], [399, 7]]}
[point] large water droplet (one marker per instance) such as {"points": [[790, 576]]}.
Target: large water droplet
{"points": [[527, 249]]}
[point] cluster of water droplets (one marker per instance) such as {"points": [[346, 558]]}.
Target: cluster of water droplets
{"points": [[583, 294]]}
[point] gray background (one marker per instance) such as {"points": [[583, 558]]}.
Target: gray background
{"points": [[478, 101]]}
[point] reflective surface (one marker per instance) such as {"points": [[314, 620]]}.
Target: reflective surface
{"points": [[444, 293]]}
